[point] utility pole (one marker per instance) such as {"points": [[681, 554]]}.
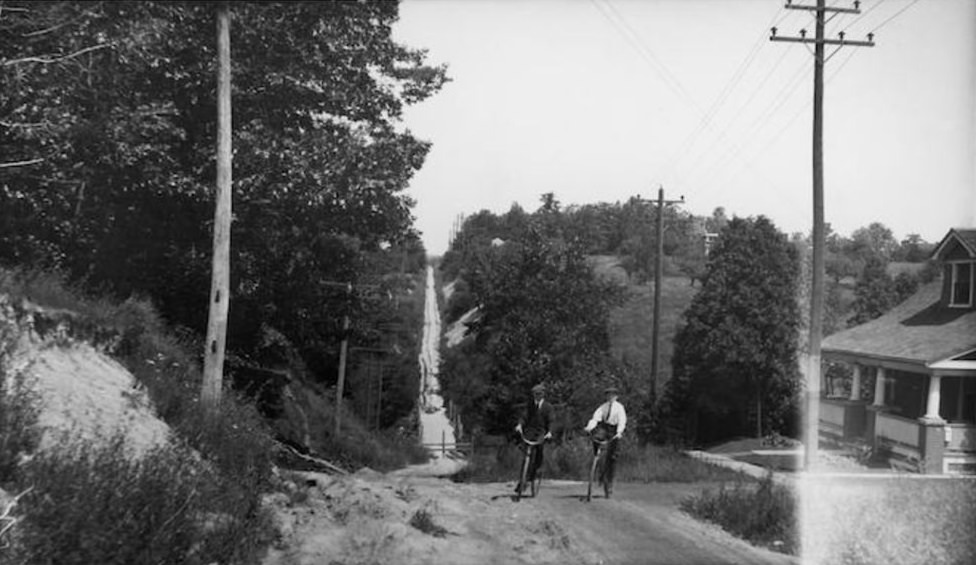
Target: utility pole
{"points": [[343, 348], [213, 358], [658, 269], [811, 430], [343, 352]]}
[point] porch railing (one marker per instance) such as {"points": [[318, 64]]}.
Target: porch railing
{"points": [[832, 415], [902, 432], [961, 437]]}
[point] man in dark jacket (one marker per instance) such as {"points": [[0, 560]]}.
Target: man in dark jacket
{"points": [[536, 424]]}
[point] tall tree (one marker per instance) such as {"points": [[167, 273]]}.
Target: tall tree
{"points": [[543, 317], [738, 344], [115, 103]]}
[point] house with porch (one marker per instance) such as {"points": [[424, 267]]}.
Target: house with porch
{"points": [[920, 413]]}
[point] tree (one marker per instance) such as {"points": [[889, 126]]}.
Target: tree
{"points": [[737, 346], [874, 292], [875, 240], [543, 317], [115, 103]]}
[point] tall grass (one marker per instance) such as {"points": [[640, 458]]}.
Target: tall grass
{"points": [[893, 520], [571, 460], [764, 514], [196, 500]]}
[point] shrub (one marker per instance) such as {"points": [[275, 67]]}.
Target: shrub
{"points": [[423, 521], [92, 503], [763, 514], [19, 433], [571, 460]]}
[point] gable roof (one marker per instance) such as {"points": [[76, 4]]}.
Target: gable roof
{"points": [[918, 331], [966, 237]]}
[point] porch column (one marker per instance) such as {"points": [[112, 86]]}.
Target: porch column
{"points": [[856, 383], [935, 395], [879, 388]]}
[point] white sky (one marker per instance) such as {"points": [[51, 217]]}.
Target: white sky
{"points": [[599, 100]]}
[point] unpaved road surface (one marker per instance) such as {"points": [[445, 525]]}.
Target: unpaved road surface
{"points": [[366, 518]]}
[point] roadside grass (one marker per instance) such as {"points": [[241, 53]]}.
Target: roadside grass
{"points": [[197, 500], [571, 459], [763, 513], [893, 520]]}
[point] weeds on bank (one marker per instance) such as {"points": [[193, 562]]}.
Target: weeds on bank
{"points": [[764, 514], [423, 521], [571, 460], [93, 503], [196, 500]]}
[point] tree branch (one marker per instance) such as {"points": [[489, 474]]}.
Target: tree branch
{"points": [[48, 61], [21, 163]]}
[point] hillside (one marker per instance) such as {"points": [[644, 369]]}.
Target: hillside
{"points": [[631, 327]]}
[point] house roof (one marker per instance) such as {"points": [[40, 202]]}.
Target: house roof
{"points": [[965, 236], [918, 330]]}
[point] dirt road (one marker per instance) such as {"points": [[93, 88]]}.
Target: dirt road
{"points": [[366, 518]]}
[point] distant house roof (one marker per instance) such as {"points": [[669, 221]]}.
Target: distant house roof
{"points": [[966, 237], [917, 331]]}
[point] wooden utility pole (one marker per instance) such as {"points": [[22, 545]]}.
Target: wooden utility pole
{"points": [[213, 360], [658, 270], [343, 348], [811, 430]]}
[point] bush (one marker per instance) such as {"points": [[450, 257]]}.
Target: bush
{"points": [[763, 514], [571, 460], [93, 503]]}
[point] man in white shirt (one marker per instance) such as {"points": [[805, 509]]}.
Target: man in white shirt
{"points": [[610, 421]]}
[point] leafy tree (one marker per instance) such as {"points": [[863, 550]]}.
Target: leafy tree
{"points": [[542, 318], [875, 240], [108, 116], [913, 249], [874, 292], [737, 349]]}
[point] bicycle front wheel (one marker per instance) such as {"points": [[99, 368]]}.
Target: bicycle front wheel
{"points": [[524, 476], [593, 476]]}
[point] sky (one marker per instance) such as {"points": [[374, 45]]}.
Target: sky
{"points": [[600, 100]]}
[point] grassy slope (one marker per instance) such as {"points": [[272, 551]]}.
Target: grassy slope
{"points": [[631, 324]]}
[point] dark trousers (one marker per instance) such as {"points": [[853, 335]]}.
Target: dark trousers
{"points": [[610, 464], [536, 462]]}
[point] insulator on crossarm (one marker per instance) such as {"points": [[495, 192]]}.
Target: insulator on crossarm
{"points": [[774, 31], [841, 35], [803, 33]]}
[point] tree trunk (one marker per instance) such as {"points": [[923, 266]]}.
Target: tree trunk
{"points": [[213, 361]]}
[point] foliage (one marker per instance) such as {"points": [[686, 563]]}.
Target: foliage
{"points": [[109, 107], [542, 318], [764, 514], [876, 291], [423, 521], [92, 503], [571, 460], [737, 348], [898, 520]]}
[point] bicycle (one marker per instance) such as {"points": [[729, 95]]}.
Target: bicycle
{"points": [[599, 463], [526, 463]]}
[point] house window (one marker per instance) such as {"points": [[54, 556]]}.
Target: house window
{"points": [[962, 284]]}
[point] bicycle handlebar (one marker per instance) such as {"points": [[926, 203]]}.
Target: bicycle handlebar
{"points": [[530, 442]]}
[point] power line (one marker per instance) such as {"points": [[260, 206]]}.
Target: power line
{"points": [[796, 115], [628, 33], [898, 13], [690, 140]]}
